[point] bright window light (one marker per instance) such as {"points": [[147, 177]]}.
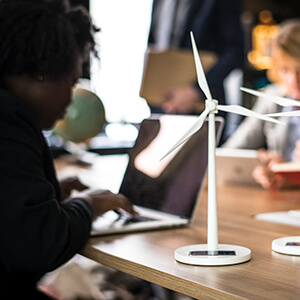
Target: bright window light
{"points": [[116, 78]]}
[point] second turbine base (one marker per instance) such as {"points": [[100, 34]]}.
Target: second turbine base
{"points": [[200, 255], [289, 245]]}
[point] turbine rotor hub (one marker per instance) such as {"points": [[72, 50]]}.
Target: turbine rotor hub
{"points": [[212, 105]]}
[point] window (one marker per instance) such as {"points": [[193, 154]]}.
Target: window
{"points": [[122, 41]]}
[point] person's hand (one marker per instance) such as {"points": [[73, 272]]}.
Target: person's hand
{"points": [[67, 185], [102, 201], [184, 100], [297, 151], [263, 173]]}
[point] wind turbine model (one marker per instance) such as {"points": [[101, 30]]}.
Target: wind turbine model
{"points": [[212, 253]]}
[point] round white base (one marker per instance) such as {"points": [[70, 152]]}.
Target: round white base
{"points": [[199, 255], [287, 245]]}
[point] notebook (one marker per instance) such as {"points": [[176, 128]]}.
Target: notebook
{"points": [[171, 68], [288, 171], [291, 217], [165, 192], [235, 166]]}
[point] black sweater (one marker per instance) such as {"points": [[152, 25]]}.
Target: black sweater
{"points": [[38, 232]]}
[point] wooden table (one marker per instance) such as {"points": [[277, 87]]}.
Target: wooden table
{"points": [[268, 275]]}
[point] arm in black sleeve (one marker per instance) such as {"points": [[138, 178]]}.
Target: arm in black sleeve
{"points": [[38, 233]]}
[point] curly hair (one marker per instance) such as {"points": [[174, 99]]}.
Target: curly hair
{"points": [[43, 37]]}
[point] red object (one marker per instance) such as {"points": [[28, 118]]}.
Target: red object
{"points": [[292, 176]]}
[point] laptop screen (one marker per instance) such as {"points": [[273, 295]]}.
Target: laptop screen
{"points": [[170, 185]]}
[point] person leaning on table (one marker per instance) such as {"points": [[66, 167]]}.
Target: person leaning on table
{"points": [[277, 143], [43, 44]]}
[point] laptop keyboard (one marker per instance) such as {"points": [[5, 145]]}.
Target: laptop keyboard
{"points": [[127, 219], [112, 218], [137, 219]]}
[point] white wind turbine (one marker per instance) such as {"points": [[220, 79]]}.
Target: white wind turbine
{"points": [[212, 253]]}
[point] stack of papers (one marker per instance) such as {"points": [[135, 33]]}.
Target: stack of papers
{"points": [[291, 217]]}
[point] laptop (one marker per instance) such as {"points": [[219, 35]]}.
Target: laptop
{"points": [[235, 166], [164, 192]]}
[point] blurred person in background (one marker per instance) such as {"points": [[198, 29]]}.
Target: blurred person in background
{"points": [[216, 27], [277, 143]]}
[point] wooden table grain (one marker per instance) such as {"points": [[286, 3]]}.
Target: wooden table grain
{"points": [[268, 275]]}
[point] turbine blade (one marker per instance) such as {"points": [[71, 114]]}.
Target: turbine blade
{"points": [[282, 101], [294, 113], [197, 125], [236, 109], [200, 73]]}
